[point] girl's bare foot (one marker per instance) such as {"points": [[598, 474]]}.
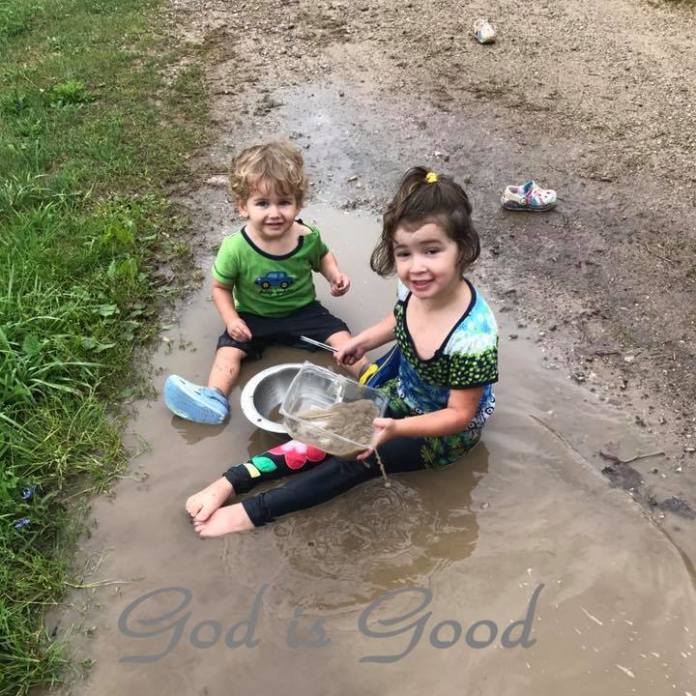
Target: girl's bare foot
{"points": [[203, 504], [232, 518]]}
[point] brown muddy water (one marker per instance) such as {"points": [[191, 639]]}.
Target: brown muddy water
{"points": [[410, 589]]}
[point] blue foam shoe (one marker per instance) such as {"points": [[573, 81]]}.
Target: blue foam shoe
{"points": [[195, 403]]}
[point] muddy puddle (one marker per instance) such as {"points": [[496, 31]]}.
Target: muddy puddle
{"points": [[516, 571]]}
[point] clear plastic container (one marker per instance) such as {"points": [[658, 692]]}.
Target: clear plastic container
{"points": [[345, 433]]}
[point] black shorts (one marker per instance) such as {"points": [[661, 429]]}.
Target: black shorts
{"points": [[312, 320]]}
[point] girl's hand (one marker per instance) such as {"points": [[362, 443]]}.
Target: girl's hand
{"points": [[350, 352], [238, 330], [340, 285], [385, 430]]}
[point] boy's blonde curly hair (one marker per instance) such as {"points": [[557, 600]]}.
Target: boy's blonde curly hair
{"points": [[277, 164]]}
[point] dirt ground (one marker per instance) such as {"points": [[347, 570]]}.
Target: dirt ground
{"points": [[596, 100]]}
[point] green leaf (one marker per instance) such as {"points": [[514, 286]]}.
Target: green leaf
{"points": [[91, 343], [31, 345], [107, 310]]}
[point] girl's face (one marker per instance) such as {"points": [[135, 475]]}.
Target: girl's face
{"points": [[427, 261], [270, 214]]}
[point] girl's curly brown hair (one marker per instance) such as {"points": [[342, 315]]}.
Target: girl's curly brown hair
{"points": [[422, 198]]}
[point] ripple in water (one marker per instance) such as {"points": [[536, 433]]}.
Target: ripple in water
{"points": [[371, 540], [340, 556]]}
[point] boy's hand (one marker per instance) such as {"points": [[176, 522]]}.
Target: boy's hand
{"points": [[238, 330], [340, 285], [385, 430], [350, 352]]}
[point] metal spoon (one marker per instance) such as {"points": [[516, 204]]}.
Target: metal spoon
{"points": [[318, 344]]}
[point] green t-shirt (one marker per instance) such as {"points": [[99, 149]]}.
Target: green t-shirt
{"points": [[268, 285]]}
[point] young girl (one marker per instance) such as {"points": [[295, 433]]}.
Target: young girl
{"points": [[268, 266], [442, 395]]}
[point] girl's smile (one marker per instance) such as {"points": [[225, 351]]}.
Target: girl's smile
{"points": [[427, 261]]}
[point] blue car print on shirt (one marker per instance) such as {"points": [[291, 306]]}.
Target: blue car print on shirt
{"points": [[275, 279]]}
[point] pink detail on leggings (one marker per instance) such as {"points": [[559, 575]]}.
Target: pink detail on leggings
{"points": [[297, 454]]}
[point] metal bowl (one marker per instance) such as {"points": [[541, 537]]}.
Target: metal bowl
{"points": [[263, 394]]}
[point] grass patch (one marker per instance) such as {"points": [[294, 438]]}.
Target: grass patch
{"points": [[91, 132]]}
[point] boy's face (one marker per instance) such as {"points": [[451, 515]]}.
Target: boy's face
{"points": [[269, 214]]}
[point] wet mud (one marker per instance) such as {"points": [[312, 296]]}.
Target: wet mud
{"points": [[337, 594]]}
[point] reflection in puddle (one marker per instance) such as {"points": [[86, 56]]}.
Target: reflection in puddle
{"points": [[192, 433], [260, 441]]}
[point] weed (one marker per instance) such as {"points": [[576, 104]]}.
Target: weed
{"points": [[15, 18], [70, 92]]}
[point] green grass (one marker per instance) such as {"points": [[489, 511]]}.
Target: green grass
{"points": [[91, 132]]}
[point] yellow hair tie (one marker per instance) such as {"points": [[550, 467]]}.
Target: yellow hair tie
{"points": [[431, 177]]}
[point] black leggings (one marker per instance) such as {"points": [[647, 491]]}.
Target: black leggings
{"points": [[318, 477]]}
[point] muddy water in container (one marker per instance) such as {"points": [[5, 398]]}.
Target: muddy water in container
{"points": [[514, 571]]}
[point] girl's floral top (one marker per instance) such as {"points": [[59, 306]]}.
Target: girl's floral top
{"points": [[468, 357]]}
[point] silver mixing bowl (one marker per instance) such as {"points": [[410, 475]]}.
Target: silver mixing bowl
{"points": [[263, 394]]}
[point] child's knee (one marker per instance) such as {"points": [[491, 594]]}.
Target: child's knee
{"points": [[229, 357], [338, 339]]}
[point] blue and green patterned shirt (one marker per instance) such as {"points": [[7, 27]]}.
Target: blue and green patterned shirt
{"points": [[468, 357]]}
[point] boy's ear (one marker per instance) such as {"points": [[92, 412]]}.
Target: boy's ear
{"points": [[241, 207]]}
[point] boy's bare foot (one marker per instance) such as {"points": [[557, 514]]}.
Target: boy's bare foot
{"points": [[203, 504], [232, 518]]}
